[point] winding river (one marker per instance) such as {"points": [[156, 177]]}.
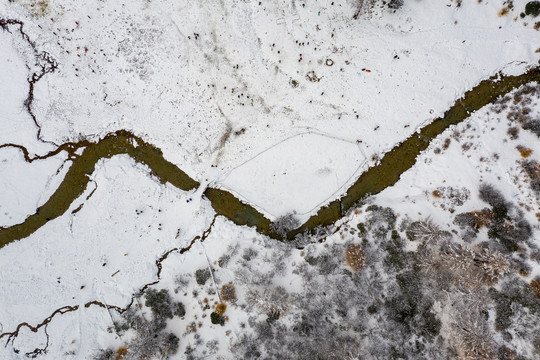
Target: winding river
{"points": [[386, 173]]}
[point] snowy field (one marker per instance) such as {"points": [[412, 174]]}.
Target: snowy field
{"points": [[218, 83], [105, 251], [312, 167], [27, 185], [283, 103]]}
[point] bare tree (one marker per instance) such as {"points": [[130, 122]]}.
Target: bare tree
{"points": [[427, 231], [283, 224], [471, 336]]}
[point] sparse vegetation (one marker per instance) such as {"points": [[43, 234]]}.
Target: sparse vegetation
{"points": [[162, 306], [532, 169]]}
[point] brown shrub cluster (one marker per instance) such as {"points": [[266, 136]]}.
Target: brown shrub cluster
{"points": [[535, 285], [525, 152], [481, 218], [355, 257], [228, 292], [221, 308]]}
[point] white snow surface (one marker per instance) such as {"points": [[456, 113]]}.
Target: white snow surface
{"points": [[105, 252], [16, 125], [218, 82], [179, 74], [26, 186], [299, 167]]}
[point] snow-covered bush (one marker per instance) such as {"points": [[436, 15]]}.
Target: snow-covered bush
{"points": [[162, 305], [270, 300], [532, 8], [149, 339], [426, 231], [283, 224], [202, 275], [507, 223], [471, 335], [394, 4], [228, 292]]}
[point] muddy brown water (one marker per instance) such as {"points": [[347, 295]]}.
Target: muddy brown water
{"points": [[386, 173]]}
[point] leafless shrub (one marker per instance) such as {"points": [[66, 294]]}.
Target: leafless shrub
{"points": [[309, 237], [427, 231], [474, 269], [311, 76], [492, 266], [366, 7], [533, 126], [228, 292], [283, 224], [454, 196], [151, 340], [481, 218], [513, 132], [269, 300], [532, 169], [471, 336], [535, 286]]}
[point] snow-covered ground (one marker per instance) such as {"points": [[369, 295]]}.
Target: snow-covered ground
{"points": [[105, 251], [219, 82], [286, 103], [26, 186], [310, 166], [16, 125]]}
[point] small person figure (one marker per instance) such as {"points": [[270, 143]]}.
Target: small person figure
{"points": [[376, 127]]}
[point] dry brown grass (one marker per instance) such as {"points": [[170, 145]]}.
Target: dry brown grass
{"points": [[355, 257], [221, 308], [436, 194], [503, 12], [121, 353]]}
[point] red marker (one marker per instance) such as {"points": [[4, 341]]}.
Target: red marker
{"points": [[76, 22]]}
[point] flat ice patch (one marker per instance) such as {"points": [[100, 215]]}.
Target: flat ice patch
{"points": [[299, 174]]}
